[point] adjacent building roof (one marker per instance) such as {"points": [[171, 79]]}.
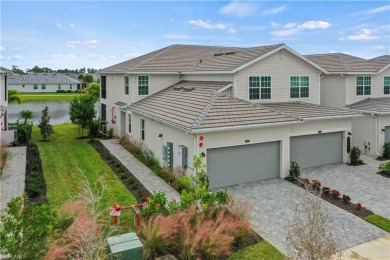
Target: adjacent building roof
{"points": [[2, 69], [41, 78], [343, 63], [195, 58], [373, 105], [201, 106], [309, 111]]}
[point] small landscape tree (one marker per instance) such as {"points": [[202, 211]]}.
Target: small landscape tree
{"points": [[94, 90], [88, 78], [26, 115], [44, 125], [82, 111]]}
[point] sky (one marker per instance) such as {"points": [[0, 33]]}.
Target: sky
{"points": [[98, 34]]}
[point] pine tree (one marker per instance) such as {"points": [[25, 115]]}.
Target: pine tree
{"points": [[44, 125]]}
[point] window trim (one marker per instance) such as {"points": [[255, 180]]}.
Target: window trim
{"points": [[103, 87], [43, 86], [142, 128], [129, 119], [260, 88], [59, 86], [138, 92], [356, 86], [35, 86], [289, 84], [127, 86], [385, 85]]}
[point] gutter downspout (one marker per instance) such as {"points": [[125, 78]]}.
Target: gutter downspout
{"points": [[376, 135], [195, 149], [345, 89]]}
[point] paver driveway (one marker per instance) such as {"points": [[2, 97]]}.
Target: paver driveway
{"points": [[359, 182], [271, 213]]}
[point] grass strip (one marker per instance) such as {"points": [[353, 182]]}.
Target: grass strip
{"points": [[48, 97], [379, 221], [262, 250]]}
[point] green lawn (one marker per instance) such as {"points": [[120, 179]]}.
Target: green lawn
{"points": [[65, 159], [259, 251], [48, 97], [379, 221]]}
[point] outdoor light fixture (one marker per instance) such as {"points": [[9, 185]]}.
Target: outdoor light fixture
{"points": [[349, 133], [203, 154], [247, 141], [383, 130], [319, 131], [160, 135]]}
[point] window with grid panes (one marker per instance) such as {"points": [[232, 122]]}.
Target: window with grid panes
{"points": [[299, 86], [143, 85], [363, 85], [129, 130], [143, 129], [386, 85], [254, 88], [127, 85], [265, 87]]}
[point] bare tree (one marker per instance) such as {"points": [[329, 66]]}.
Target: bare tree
{"points": [[309, 235]]}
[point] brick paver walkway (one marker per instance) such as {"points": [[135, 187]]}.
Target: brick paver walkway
{"points": [[12, 179], [149, 179]]}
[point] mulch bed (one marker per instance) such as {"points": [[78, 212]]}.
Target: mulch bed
{"points": [[384, 174], [35, 185], [126, 177], [339, 202]]}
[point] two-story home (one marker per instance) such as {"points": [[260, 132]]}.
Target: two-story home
{"points": [[43, 82], [248, 111], [362, 85], [6, 135]]}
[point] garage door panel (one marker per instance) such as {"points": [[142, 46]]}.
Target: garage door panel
{"points": [[315, 150], [239, 164], [387, 134]]}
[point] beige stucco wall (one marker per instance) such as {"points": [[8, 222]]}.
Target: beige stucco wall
{"points": [[363, 131], [49, 87], [376, 86], [280, 66], [384, 120], [333, 91]]}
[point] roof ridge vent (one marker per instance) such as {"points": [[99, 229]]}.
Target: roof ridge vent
{"points": [[225, 53]]}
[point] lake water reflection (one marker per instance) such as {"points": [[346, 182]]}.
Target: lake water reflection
{"points": [[59, 111]]}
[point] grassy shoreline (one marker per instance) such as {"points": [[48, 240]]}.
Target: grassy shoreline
{"points": [[48, 97]]}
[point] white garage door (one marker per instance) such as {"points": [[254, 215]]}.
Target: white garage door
{"points": [[245, 163], [316, 150]]}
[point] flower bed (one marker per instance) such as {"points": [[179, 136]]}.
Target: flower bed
{"points": [[334, 197]]}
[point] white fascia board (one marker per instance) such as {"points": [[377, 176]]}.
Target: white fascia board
{"points": [[208, 72], [353, 73], [276, 50], [386, 67], [243, 127], [371, 112], [330, 117], [225, 88]]}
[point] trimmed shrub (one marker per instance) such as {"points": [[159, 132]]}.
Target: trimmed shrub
{"points": [[94, 128], [355, 155], [295, 170], [386, 151], [346, 198], [326, 190], [385, 167]]}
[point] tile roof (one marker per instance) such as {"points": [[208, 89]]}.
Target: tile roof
{"points": [[194, 105], [380, 62], [2, 69], [374, 105], [189, 58], [41, 78], [308, 110], [339, 62]]}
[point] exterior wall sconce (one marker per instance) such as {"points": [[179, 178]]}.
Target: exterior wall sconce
{"points": [[383, 130], [160, 135], [349, 133], [319, 131], [247, 141], [203, 154]]}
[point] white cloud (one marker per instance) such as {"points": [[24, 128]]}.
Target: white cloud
{"points": [[16, 57], [362, 35], [59, 26], [2, 48], [379, 9], [294, 28], [59, 56], [239, 9], [211, 26], [274, 10], [315, 25], [16, 49], [72, 25], [90, 43]]}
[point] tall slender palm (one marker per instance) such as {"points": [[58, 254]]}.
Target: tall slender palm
{"points": [[26, 115], [13, 96]]}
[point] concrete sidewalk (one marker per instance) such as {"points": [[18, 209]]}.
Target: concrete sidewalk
{"points": [[13, 177], [377, 249], [149, 179]]}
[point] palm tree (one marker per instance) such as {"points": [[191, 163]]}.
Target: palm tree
{"points": [[13, 96], [26, 115]]}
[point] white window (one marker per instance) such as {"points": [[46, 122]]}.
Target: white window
{"points": [[143, 85], [129, 123], [127, 87], [143, 129], [363, 85], [259, 87], [299, 86]]}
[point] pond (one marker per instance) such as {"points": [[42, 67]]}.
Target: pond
{"points": [[59, 111]]}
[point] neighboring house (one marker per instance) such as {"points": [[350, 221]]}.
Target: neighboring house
{"points": [[248, 111], [6, 135], [364, 86], [42, 82]]}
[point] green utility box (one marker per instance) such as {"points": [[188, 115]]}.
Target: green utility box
{"points": [[126, 246]]}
